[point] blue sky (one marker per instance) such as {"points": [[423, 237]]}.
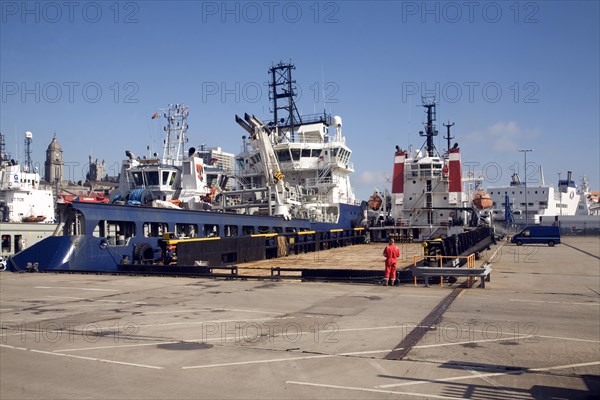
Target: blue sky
{"points": [[508, 74]]}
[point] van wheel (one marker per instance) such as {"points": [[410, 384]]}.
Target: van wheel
{"points": [[551, 243], [519, 243]]}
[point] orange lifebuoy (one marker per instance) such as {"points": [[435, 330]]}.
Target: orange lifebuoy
{"points": [[199, 171]]}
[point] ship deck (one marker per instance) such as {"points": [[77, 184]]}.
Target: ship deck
{"points": [[533, 333], [363, 256]]}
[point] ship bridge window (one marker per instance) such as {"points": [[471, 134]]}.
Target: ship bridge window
{"points": [[138, 180], [283, 155], [115, 232], [295, 154], [277, 229], [186, 230], [168, 178], [247, 230], [263, 229], [151, 178], [155, 229], [255, 158], [305, 152]]}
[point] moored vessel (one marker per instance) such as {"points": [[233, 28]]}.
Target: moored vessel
{"points": [[27, 210], [181, 196]]}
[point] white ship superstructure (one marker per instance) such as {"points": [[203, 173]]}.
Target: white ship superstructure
{"points": [[312, 159], [427, 188], [177, 180], [27, 208], [538, 199]]}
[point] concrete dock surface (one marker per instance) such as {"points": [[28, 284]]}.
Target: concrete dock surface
{"points": [[532, 333]]}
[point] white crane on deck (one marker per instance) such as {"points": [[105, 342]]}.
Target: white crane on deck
{"points": [[259, 138]]}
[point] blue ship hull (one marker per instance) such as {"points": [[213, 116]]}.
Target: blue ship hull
{"points": [[88, 249]]}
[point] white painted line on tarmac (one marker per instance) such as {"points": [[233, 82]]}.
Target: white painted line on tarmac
{"points": [[361, 389], [274, 360], [75, 288], [83, 358], [594, 303], [12, 347], [118, 346], [214, 309], [491, 259], [566, 338], [214, 321], [490, 374], [373, 328], [426, 346], [587, 364]]}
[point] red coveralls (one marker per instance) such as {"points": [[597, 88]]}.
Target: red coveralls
{"points": [[391, 253]]}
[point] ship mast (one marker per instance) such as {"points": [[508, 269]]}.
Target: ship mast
{"points": [[4, 156], [176, 130], [28, 167], [282, 93], [448, 137], [430, 127]]}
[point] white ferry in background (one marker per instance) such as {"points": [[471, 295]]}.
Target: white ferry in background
{"points": [[542, 201], [27, 207]]}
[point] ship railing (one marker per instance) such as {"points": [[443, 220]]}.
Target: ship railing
{"points": [[307, 119]]}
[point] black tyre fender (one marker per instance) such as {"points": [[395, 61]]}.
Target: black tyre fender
{"points": [[551, 243], [143, 252], [519, 243]]}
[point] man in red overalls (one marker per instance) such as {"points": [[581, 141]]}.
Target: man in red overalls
{"points": [[391, 253]]}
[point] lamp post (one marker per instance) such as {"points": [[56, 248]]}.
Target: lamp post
{"points": [[525, 151], [560, 203]]}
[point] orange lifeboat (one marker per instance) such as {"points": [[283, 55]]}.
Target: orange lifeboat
{"points": [[482, 200]]}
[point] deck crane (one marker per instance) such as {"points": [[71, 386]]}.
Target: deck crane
{"points": [[274, 178]]}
